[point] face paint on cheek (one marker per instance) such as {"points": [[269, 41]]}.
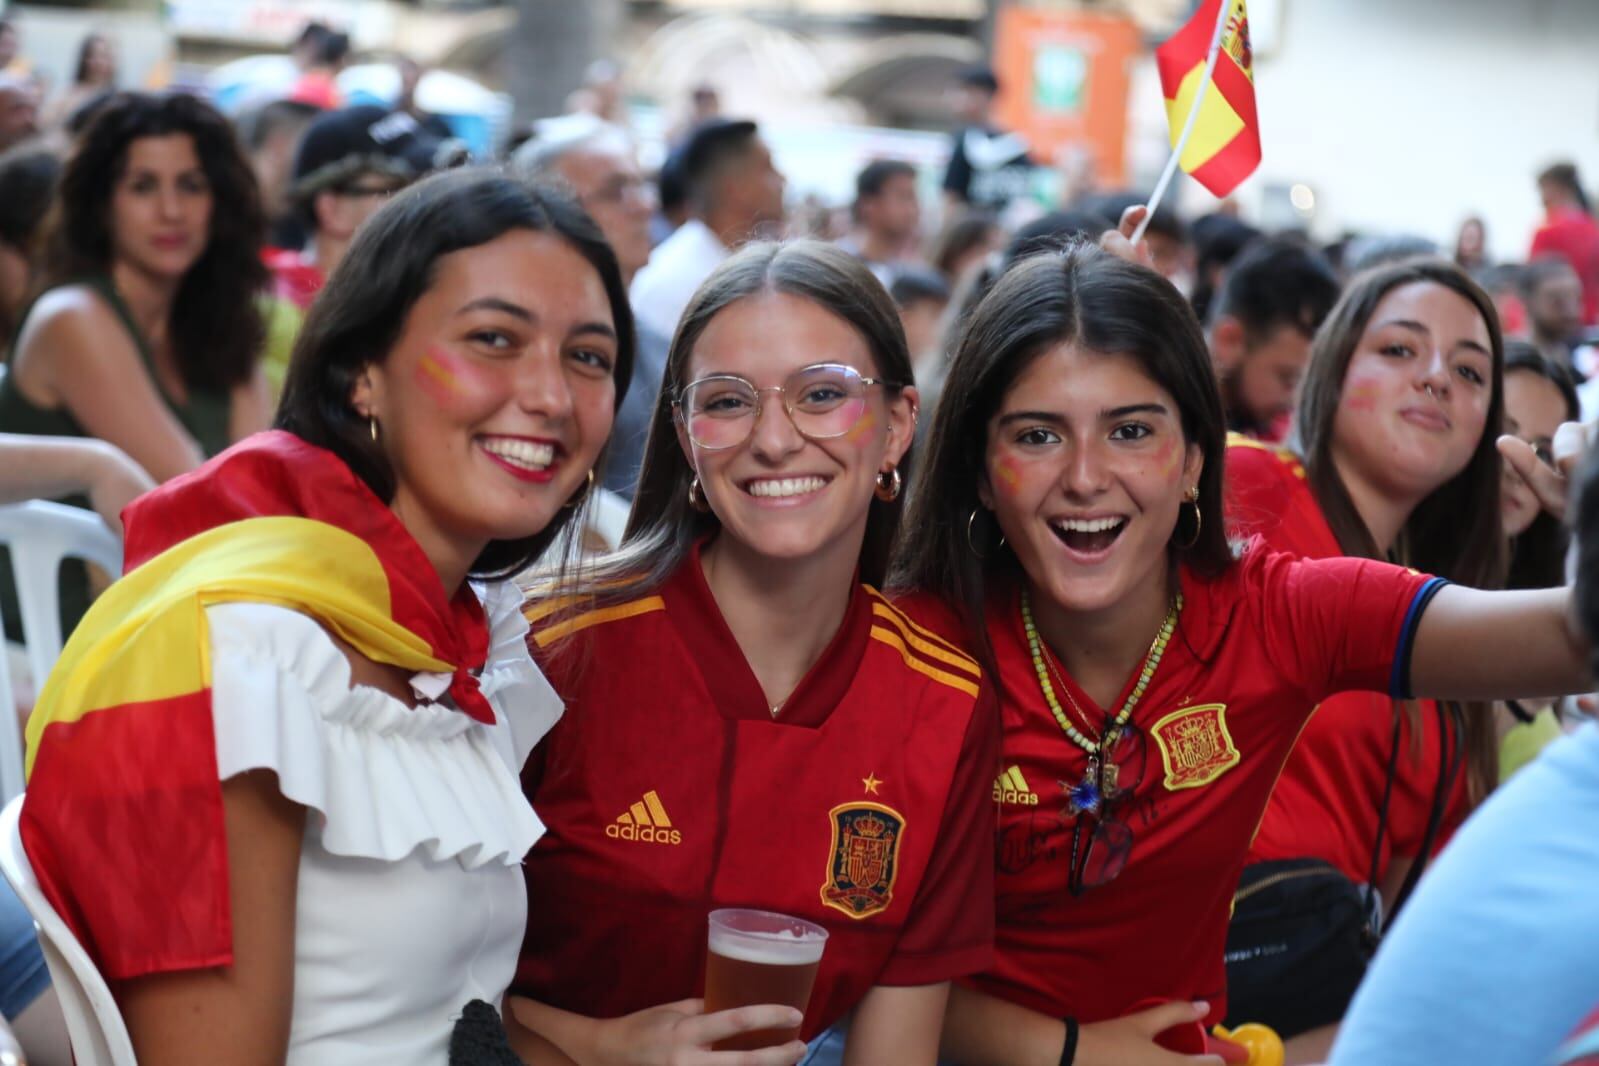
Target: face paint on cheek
{"points": [[1169, 460], [1360, 392], [447, 378], [862, 429], [1006, 474]]}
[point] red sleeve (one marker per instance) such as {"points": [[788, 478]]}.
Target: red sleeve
{"points": [[950, 931], [1336, 625]]}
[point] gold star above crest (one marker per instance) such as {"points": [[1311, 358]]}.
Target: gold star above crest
{"points": [[871, 781]]}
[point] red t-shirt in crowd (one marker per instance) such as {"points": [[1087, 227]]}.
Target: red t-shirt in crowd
{"points": [[1327, 801], [1254, 650], [294, 278], [669, 790], [1573, 235]]}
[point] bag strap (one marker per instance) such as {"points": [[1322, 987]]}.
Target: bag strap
{"points": [[1451, 757], [1382, 809]]}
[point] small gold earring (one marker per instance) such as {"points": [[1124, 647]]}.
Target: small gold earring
{"points": [[372, 427]]}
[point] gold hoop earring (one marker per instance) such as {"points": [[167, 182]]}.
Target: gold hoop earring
{"points": [[889, 484], [696, 498], [971, 541], [1191, 497]]}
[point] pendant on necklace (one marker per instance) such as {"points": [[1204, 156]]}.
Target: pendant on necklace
{"points": [[1085, 795]]}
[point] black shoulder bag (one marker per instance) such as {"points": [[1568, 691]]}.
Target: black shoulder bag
{"points": [[1302, 933]]}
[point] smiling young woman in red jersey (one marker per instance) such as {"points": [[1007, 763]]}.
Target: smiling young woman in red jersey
{"points": [[1393, 456], [1151, 682], [747, 716]]}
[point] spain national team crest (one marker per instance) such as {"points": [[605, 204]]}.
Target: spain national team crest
{"points": [[1195, 745], [865, 858]]}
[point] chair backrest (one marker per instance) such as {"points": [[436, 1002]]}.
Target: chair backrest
{"points": [[608, 516], [39, 535], [94, 1024]]}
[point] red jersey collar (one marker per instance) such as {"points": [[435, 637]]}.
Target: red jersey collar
{"points": [[278, 474], [727, 674]]}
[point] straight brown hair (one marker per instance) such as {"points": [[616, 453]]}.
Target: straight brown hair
{"points": [[1455, 532]]}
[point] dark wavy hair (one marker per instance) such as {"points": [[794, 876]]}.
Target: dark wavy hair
{"points": [[663, 527], [359, 316], [216, 325], [1078, 295]]}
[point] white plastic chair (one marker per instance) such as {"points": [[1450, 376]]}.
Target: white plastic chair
{"points": [[608, 517], [39, 535], [94, 1024]]}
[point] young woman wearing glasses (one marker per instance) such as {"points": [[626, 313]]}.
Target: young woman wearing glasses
{"points": [[749, 722], [1151, 681]]}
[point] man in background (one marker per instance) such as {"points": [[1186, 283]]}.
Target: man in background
{"points": [[349, 162], [271, 134], [886, 216], [734, 195], [1264, 316], [988, 166], [595, 162], [1569, 231], [19, 110], [1551, 292]]}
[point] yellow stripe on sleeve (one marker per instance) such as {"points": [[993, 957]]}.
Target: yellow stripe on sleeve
{"points": [[926, 647], [545, 637], [954, 681]]}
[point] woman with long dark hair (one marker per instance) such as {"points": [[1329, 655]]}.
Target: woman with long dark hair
{"points": [[273, 781], [1392, 456], [1152, 681], [1539, 396], [147, 334], [746, 711], [94, 75]]}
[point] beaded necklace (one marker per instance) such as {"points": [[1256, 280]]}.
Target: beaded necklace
{"points": [[1087, 794]]}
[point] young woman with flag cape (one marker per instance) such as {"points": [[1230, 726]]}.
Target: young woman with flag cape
{"points": [[1152, 679], [273, 779]]}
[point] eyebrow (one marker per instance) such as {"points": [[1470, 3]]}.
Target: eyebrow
{"points": [[1416, 327], [1056, 419], [494, 303]]}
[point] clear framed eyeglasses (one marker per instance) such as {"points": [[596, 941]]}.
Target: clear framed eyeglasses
{"points": [[823, 401]]}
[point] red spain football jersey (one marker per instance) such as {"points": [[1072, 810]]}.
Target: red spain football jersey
{"points": [[669, 790], [1327, 801], [1254, 650]]}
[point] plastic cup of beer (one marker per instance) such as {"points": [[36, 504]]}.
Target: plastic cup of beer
{"points": [[755, 957]]}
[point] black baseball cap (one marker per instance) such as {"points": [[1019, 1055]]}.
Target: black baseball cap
{"points": [[340, 145]]}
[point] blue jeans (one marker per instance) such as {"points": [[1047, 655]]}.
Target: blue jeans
{"points": [[23, 976]]}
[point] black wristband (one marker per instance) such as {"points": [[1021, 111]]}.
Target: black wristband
{"points": [[1068, 1053]]}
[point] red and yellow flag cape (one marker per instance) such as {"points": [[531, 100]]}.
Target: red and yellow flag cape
{"points": [[1224, 148], [123, 816]]}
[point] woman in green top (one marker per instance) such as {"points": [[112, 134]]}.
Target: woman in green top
{"points": [[148, 333]]}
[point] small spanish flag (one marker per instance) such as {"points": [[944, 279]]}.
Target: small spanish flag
{"points": [[1224, 147]]}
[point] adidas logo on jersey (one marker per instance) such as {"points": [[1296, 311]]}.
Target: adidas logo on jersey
{"points": [[646, 821], [1011, 787]]}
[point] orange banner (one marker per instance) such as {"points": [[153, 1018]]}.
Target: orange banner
{"points": [[1064, 82]]}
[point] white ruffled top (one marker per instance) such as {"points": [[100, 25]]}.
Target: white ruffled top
{"points": [[410, 900]]}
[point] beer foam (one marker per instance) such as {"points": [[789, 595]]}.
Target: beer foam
{"points": [[767, 949]]}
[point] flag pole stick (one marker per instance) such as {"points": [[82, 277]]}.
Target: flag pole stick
{"points": [[1223, 9]]}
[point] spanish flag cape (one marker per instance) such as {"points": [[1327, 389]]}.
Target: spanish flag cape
{"points": [[123, 816]]}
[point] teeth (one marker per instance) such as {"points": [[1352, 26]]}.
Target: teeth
{"points": [[523, 453], [789, 486], [1087, 525]]}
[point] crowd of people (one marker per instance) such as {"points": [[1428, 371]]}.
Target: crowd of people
{"points": [[1100, 641]]}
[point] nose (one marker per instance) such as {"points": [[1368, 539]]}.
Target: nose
{"points": [[541, 385], [1434, 372], [774, 435], [1085, 474]]}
